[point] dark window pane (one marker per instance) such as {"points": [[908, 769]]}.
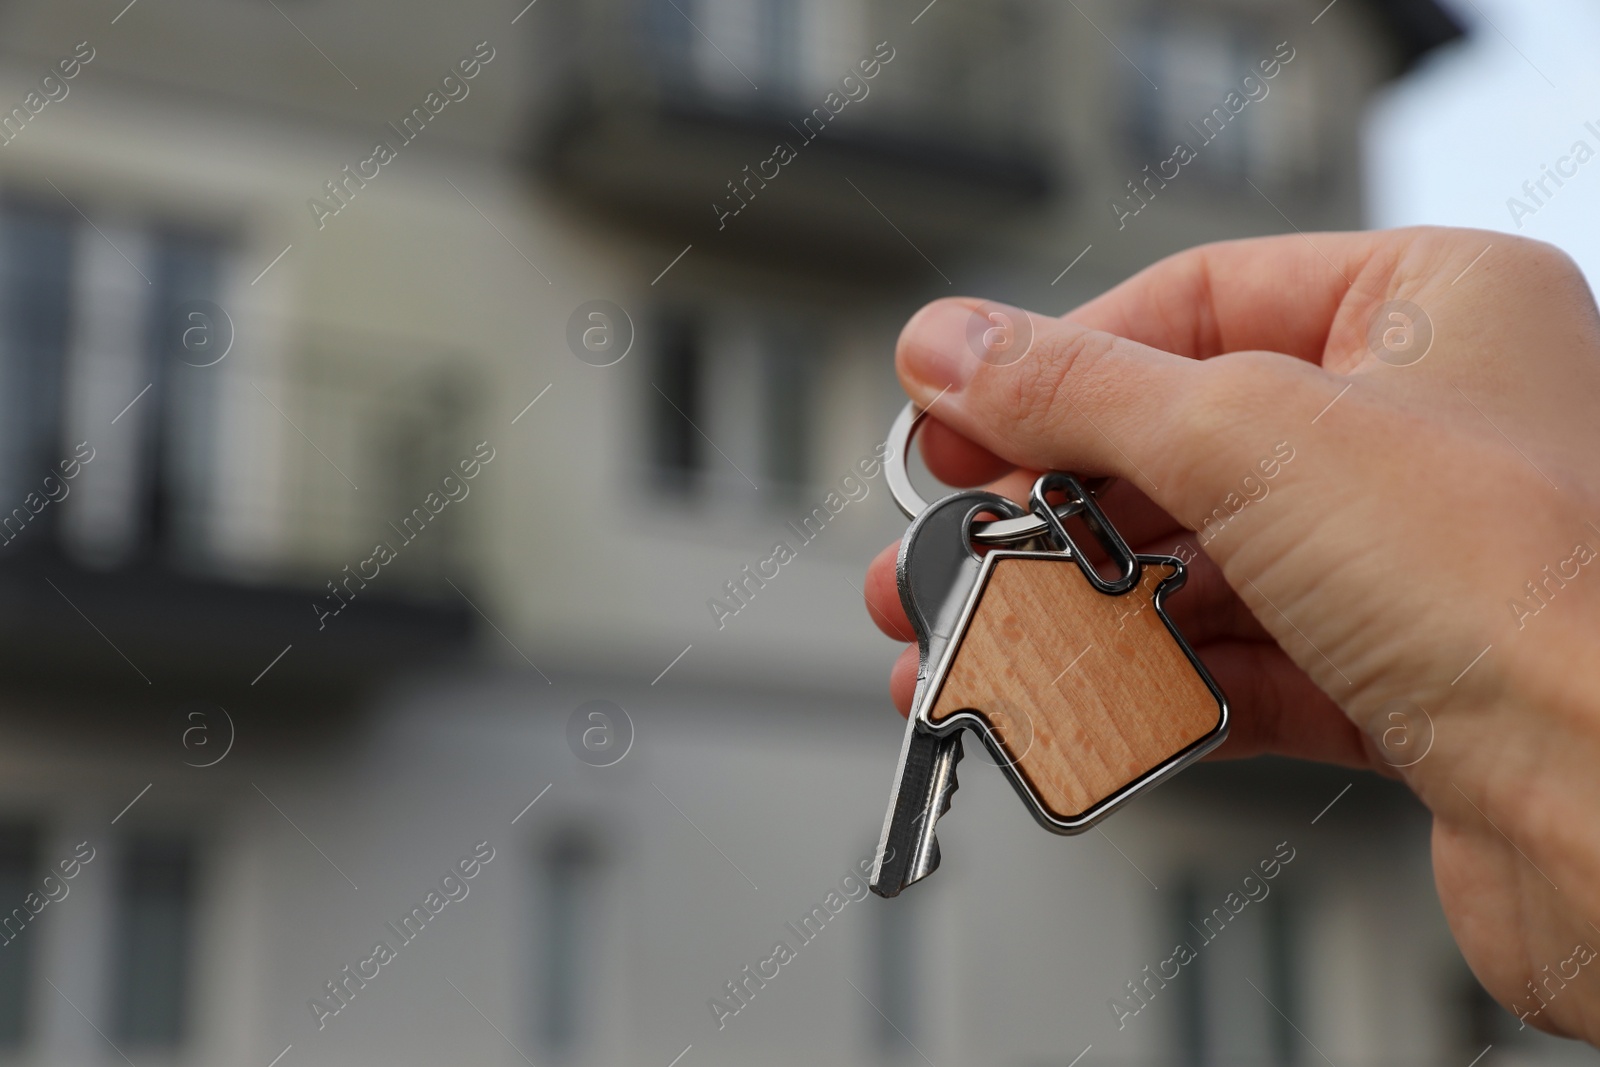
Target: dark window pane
{"points": [[180, 436], [780, 31], [155, 905], [669, 38], [788, 380], [566, 929], [35, 320], [675, 410], [1191, 1031], [894, 981], [19, 860], [1280, 951], [1196, 68], [1213, 1024]]}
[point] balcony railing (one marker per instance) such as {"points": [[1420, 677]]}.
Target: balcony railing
{"points": [[797, 127], [237, 508]]}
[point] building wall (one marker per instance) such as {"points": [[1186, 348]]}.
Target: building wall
{"points": [[620, 904], [720, 825]]}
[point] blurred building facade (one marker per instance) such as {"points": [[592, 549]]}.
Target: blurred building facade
{"points": [[396, 401]]}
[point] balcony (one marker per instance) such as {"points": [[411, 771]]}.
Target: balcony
{"points": [[176, 513], [735, 125]]}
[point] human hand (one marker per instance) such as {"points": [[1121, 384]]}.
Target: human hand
{"points": [[1420, 558]]}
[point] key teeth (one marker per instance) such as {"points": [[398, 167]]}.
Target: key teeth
{"points": [[928, 861], [935, 854], [909, 850], [942, 807], [954, 784]]}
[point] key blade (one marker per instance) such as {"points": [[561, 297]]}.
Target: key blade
{"points": [[936, 572], [908, 850]]}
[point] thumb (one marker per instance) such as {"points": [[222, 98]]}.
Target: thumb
{"points": [[1051, 395]]}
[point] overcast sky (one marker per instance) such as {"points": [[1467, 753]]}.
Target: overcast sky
{"points": [[1459, 137]]}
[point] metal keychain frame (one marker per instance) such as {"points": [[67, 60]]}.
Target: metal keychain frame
{"points": [[1081, 502]]}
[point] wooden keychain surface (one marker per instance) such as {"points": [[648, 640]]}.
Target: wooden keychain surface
{"points": [[1126, 701], [1084, 693]]}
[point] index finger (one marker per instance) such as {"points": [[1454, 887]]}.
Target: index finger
{"points": [[1279, 294]]}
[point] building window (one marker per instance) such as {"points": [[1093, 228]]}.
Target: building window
{"points": [[730, 408], [975, 80], [1220, 1019], [19, 860], [1191, 89], [180, 429], [745, 43], [788, 398], [85, 328], [151, 952], [1190, 1031], [147, 498], [567, 928], [780, 34], [895, 965], [674, 404], [36, 280]]}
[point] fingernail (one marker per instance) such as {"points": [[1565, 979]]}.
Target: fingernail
{"points": [[945, 343], [934, 354]]}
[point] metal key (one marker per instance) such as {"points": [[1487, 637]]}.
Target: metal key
{"points": [[936, 572]]}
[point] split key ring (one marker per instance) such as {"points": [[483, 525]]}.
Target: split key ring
{"points": [[998, 532]]}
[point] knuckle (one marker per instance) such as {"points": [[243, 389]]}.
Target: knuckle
{"points": [[1219, 401], [1062, 373], [1220, 420], [1544, 259]]}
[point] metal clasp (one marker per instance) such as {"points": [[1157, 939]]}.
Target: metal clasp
{"points": [[1081, 502]]}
